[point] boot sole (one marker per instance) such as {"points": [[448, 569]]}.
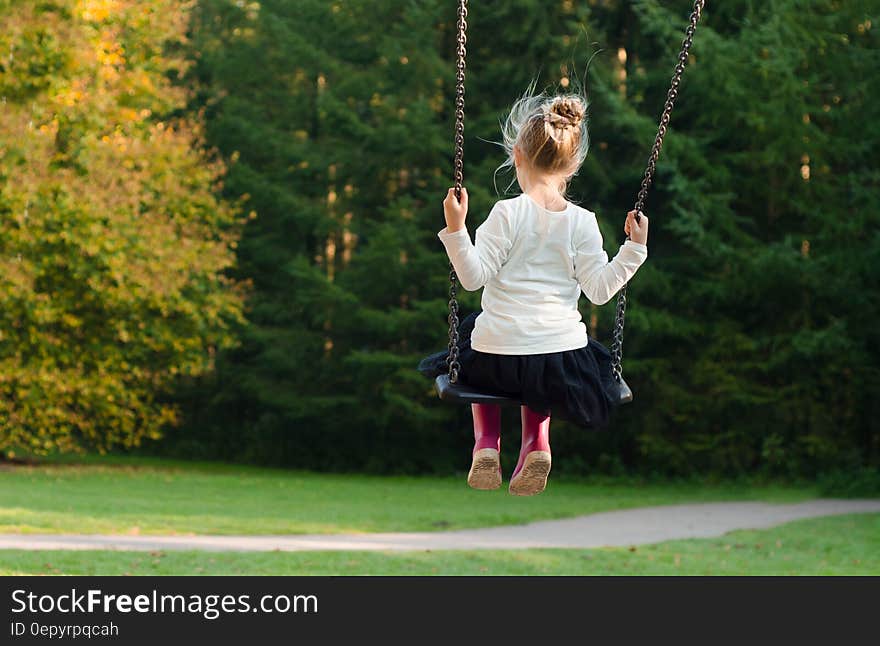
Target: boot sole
{"points": [[485, 470], [532, 478]]}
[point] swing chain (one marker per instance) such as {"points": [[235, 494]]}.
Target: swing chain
{"points": [[452, 359], [617, 339], [458, 177], [461, 52]]}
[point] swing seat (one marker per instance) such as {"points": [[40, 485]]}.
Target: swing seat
{"points": [[459, 393], [462, 394]]}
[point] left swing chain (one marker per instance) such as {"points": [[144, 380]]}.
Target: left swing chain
{"points": [[461, 50]]}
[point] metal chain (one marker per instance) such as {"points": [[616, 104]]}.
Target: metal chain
{"points": [[458, 177], [617, 342]]}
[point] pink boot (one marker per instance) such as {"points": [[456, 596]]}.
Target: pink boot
{"points": [[530, 475], [485, 470]]}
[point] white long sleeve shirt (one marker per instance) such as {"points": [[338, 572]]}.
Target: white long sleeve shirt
{"points": [[534, 264]]}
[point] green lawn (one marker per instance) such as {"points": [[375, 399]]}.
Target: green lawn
{"points": [[837, 545], [143, 496]]}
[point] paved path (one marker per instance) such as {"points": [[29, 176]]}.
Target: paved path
{"points": [[612, 528]]}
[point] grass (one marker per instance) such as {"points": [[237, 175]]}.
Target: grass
{"points": [[150, 496], [840, 545]]}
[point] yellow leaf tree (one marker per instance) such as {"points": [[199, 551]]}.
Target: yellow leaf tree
{"points": [[114, 250]]}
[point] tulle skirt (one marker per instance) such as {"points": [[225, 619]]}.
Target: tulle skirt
{"points": [[574, 385]]}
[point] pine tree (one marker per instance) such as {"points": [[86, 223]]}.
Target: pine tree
{"points": [[750, 339], [339, 118], [746, 343]]}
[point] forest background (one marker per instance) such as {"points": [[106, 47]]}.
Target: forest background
{"points": [[218, 226]]}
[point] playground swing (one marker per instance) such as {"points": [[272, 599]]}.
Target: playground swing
{"points": [[447, 385]]}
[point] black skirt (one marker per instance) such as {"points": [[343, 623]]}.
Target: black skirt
{"points": [[574, 385]]}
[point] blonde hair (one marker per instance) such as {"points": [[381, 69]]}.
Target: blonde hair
{"points": [[550, 132]]}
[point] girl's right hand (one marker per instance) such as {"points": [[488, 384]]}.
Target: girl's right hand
{"points": [[637, 231], [455, 211]]}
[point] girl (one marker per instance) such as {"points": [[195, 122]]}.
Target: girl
{"points": [[534, 255]]}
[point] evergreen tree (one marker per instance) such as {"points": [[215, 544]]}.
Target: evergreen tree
{"points": [[753, 322], [749, 339], [339, 118]]}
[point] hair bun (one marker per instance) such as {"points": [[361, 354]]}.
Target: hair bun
{"points": [[565, 112]]}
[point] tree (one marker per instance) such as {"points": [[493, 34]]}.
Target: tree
{"points": [[114, 248], [339, 118], [746, 345], [751, 341]]}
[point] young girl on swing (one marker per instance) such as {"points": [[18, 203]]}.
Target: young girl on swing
{"points": [[533, 256]]}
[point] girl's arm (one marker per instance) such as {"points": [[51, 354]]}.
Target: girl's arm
{"points": [[476, 264], [599, 279]]}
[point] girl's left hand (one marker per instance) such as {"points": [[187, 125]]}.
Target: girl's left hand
{"points": [[455, 211]]}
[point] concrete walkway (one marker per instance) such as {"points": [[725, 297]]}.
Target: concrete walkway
{"points": [[613, 528]]}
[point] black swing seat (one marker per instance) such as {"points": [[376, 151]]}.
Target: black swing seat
{"points": [[458, 393]]}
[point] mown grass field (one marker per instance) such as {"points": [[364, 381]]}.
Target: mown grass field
{"points": [[841, 545], [145, 496]]}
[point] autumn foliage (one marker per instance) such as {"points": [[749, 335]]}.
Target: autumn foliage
{"points": [[113, 246]]}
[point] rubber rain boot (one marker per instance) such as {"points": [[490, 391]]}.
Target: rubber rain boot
{"points": [[530, 476], [485, 470]]}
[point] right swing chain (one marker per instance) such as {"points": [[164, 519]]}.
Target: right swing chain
{"points": [[617, 343]]}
